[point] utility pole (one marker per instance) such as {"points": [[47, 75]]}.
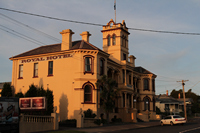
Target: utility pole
{"points": [[185, 111]]}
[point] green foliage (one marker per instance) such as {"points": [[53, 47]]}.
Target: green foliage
{"points": [[89, 114], [32, 92], [108, 93], [19, 94], [7, 90], [49, 96]]}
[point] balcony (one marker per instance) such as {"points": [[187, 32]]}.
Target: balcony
{"points": [[129, 86]]}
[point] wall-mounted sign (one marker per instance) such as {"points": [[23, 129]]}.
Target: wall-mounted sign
{"points": [[54, 57], [32, 103]]}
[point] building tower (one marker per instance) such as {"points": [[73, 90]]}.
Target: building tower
{"points": [[115, 40]]}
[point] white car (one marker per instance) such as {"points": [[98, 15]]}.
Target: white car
{"points": [[172, 119]]}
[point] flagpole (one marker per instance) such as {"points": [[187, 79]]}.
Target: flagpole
{"points": [[115, 10]]}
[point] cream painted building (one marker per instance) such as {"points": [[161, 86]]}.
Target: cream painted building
{"points": [[71, 69]]}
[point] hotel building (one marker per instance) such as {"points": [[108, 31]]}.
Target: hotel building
{"points": [[71, 68]]}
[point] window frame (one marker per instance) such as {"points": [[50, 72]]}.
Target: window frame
{"points": [[50, 68], [92, 87], [35, 70], [91, 65], [146, 84], [108, 40], [21, 69], [114, 40]]}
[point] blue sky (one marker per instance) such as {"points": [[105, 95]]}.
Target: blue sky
{"points": [[171, 57]]}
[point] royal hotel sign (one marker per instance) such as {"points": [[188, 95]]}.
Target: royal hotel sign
{"points": [[55, 57]]}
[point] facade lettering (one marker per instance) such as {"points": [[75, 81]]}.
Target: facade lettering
{"points": [[46, 58]]}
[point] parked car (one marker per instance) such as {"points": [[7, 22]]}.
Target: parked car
{"points": [[172, 119]]}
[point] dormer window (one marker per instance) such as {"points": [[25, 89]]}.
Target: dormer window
{"points": [[113, 40], [108, 41]]}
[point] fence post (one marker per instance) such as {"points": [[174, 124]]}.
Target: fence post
{"points": [[55, 120]]}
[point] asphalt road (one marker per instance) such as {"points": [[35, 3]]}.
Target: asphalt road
{"points": [[193, 127]]}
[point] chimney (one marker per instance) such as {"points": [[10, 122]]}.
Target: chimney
{"points": [[179, 95], [132, 60], [85, 36], [66, 39], [167, 92]]}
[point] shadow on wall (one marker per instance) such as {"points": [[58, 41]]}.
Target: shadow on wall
{"points": [[63, 107]]}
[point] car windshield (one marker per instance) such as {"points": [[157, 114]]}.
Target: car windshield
{"points": [[177, 116]]}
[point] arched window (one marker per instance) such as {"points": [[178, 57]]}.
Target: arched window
{"points": [[108, 39], [87, 93], [146, 103], [113, 40]]}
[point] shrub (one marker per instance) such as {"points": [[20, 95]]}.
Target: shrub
{"points": [[89, 114], [116, 120], [68, 123]]}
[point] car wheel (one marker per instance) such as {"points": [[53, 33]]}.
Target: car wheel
{"points": [[161, 124], [171, 123]]}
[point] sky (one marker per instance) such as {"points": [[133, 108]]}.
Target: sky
{"points": [[172, 57]]}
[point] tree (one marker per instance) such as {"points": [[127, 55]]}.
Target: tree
{"points": [[40, 92], [19, 94], [7, 90], [32, 92], [108, 93]]}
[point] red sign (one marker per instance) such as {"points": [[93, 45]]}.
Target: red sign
{"points": [[25, 103], [32, 103]]}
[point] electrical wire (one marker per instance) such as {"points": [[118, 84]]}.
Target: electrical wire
{"points": [[95, 24], [20, 36], [27, 26]]}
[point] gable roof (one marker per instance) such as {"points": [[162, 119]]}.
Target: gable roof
{"points": [[81, 44]]}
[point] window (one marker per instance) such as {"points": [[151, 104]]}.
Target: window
{"points": [[146, 103], [20, 71], [146, 84], [113, 39], [88, 64], [153, 84], [50, 69], [123, 74], [154, 104], [35, 72], [108, 43], [87, 94], [130, 79], [101, 66], [124, 56]]}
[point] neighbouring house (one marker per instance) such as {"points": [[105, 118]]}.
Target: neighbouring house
{"points": [[188, 102], [169, 104], [71, 68]]}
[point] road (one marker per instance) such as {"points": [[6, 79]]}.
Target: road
{"points": [[193, 127]]}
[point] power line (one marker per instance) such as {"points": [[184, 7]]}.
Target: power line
{"points": [[21, 34], [27, 26], [95, 24]]}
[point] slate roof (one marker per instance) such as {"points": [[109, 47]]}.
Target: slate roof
{"points": [[81, 44], [167, 99], [141, 70]]}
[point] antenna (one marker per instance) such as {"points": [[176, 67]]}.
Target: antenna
{"points": [[115, 10]]}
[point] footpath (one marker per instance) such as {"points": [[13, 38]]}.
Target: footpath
{"points": [[117, 127]]}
